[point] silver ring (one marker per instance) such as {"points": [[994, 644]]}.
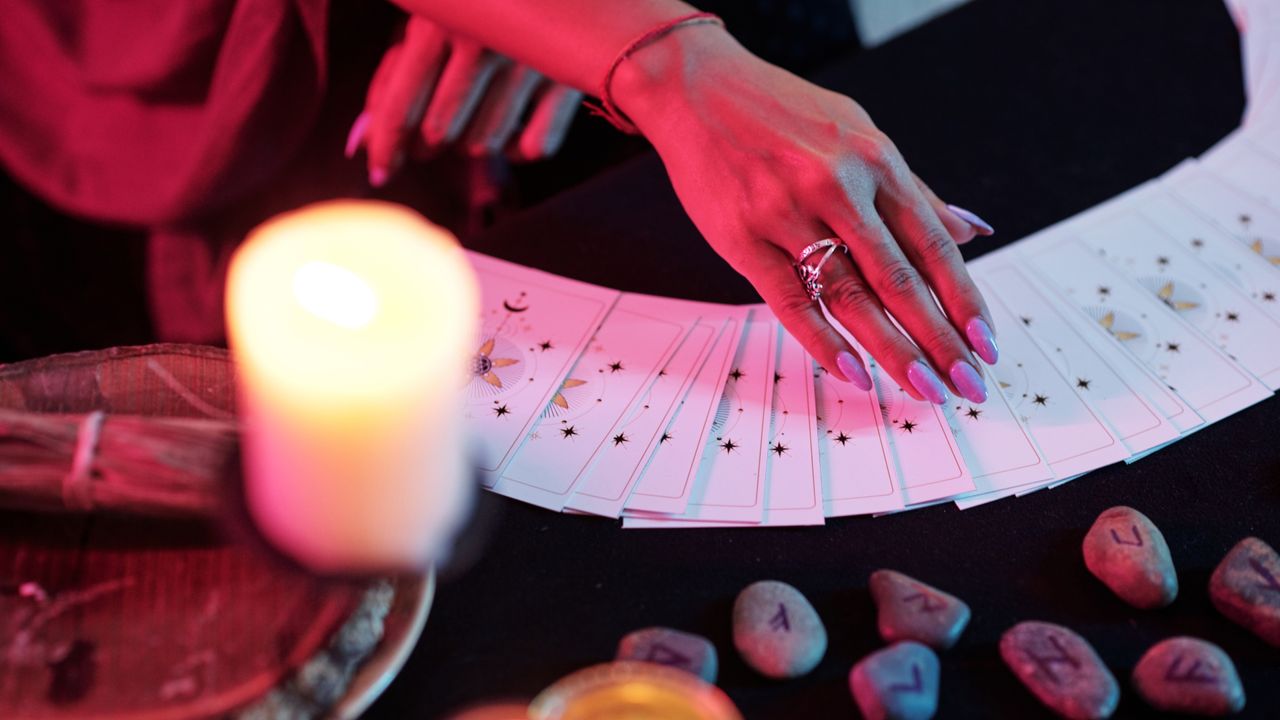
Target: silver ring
{"points": [[811, 275]]}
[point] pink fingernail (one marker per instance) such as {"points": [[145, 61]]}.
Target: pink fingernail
{"points": [[852, 369], [377, 177], [926, 382], [356, 135], [968, 382], [982, 340], [982, 226]]}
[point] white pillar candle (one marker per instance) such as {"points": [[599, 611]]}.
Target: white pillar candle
{"points": [[352, 324]]}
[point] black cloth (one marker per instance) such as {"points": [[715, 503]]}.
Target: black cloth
{"points": [[1027, 113]]}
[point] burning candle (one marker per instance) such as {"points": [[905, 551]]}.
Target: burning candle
{"points": [[352, 325], [626, 690]]}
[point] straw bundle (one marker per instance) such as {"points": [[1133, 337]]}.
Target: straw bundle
{"points": [[114, 463]]}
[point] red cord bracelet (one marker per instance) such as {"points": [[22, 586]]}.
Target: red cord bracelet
{"points": [[607, 109]]}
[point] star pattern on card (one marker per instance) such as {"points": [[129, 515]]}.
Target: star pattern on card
{"points": [[778, 449], [1233, 316], [1173, 347], [620, 439], [908, 426], [842, 438], [568, 432], [1269, 296], [1025, 320], [736, 375], [729, 445], [778, 377], [1040, 399], [665, 437], [545, 345], [501, 410], [973, 413], [1103, 290], [1082, 383], [662, 372], [615, 366]]}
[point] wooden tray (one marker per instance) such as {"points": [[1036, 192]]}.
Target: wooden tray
{"points": [[120, 617]]}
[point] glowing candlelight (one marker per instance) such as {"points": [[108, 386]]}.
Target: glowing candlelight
{"points": [[625, 690], [352, 325]]}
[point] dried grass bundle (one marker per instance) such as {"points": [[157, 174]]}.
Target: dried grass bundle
{"points": [[114, 463]]}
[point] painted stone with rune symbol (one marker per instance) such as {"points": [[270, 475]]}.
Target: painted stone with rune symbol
{"points": [[777, 631], [1061, 669], [908, 609], [897, 683], [1246, 588], [1126, 551], [1189, 675], [672, 648]]}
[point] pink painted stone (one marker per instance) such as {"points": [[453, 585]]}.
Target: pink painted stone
{"points": [[672, 648], [1126, 551], [1246, 588], [908, 609], [1189, 675], [1061, 669]]}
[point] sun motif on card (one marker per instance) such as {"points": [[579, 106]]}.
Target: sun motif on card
{"points": [[1180, 296], [497, 367], [1267, 248]]}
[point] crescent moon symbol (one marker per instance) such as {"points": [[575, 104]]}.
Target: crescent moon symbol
{"points": [[513, 308]]}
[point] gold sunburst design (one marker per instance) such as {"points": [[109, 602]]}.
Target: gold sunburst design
{"points": [[1257, 247], [1166, 296], [484, 364], [1108, 322], [559, 400]]}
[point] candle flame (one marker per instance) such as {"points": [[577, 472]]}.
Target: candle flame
{"points": [[336, 294]]}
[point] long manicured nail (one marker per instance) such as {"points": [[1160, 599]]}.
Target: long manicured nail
{"points": [[926, 383], [982, 226], [982, 340], [377, 177], [852, 369], [356, 134], [968, 382]]}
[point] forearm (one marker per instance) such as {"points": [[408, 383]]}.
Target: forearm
{"points": [[572, 41]]}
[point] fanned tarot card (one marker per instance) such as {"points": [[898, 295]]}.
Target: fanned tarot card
{"points": [[584, 417], [729, 483], [1214, 384], [1112, 381], [667, 480], [608, 484], [533, 328]]}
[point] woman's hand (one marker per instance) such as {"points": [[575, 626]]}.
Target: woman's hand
{"points": [[766, 163], [435, 88]]}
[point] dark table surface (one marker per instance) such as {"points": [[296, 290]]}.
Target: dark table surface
{"points": [[1027, 112]]}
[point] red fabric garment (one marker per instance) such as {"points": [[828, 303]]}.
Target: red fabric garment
{"points": [[154, 112]]}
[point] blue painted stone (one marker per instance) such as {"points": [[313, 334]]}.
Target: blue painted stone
{"points": [[777, 631], [897, 683], [1189, 675], [908, 609], [1127, 552], [1061, 669], [672, 648]]}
